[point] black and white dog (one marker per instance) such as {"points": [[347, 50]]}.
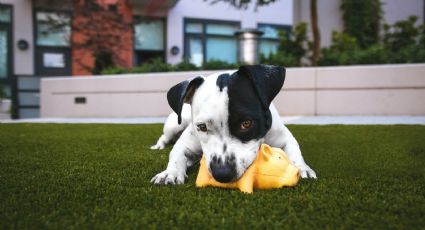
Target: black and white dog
{"points": [[226, 116]]}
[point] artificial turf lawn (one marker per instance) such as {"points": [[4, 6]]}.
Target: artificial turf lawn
{"points": [[97, 176]]}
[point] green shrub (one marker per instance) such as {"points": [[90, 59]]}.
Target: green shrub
{"points": [[362, 20], [402, 34], [157, 65], [115, 70], [185, 65], [403, 42], [376, 54], [280, 59], [292, 49], [218, 65], [341, 50]]}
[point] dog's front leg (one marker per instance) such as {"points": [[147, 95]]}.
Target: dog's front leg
{"points": [[292, 149], [186, 147], [281, 137]]}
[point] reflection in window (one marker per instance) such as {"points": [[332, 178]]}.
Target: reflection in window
{"points": [[206, 41], [194, 28], [149, 40], [269, 42], [5, 14], [149, 35], [223, 49], [221, 29], [53, 29], [196, 53], [3, 54]]}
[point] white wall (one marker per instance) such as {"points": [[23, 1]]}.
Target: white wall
{"points": [[276, 13], [353, 90], [396, 10], [22, 29]]}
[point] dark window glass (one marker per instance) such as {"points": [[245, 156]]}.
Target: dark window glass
{"points": [[5, 15], [4, 53]]}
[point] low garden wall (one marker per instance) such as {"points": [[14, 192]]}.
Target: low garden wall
{"points": [[353, 90]]}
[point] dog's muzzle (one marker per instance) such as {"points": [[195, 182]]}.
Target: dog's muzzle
{"points": [[223, 173]]}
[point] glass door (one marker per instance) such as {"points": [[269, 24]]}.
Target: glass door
{"points": [[53, 39]]}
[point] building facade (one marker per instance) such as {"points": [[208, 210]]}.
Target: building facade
{"points": [[41, 38]]}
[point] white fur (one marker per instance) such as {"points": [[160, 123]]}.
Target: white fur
{"points": [[210, 106]]}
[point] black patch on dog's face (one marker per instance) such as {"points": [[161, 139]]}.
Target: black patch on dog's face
{"points": [[251, 90], [244, 104], [223, 81]]}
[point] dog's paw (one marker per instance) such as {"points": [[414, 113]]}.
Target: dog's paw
{"points": [[168, 177], [157, 147], [307, 172]]}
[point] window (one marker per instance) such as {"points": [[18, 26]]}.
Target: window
{"points": [[53, 29], [4, 53], [210, 40], [149, 40], [5, 15], [269, 41], [5, 49]]}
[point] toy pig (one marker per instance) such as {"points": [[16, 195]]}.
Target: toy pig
{"points": [[271, 169]]}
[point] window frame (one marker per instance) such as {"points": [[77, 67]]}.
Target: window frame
{"points": [[41, 70], [204, 35], [162, 53]]}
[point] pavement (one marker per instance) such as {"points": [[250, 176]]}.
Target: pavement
{"points": [[304, 120]]}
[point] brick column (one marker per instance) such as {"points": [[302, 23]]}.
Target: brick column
{"points": [[101, 28]]}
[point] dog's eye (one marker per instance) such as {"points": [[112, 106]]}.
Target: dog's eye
{"points": [[202, 127], [246, 124]]}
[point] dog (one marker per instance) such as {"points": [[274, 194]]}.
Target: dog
{"points": [[226, 116]]}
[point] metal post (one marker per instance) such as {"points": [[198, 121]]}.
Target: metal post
{"points": [[248, 45]]}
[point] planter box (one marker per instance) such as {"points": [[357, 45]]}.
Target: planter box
{"points": [[5, 106], [352, 90]]}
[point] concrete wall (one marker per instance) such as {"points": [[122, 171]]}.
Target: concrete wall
{"points": [[277, 13], [330, 15], [357, 90], [22, 29]]}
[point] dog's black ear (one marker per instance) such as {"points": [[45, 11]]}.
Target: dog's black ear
{"points": [[267, 80], [182, 93]]}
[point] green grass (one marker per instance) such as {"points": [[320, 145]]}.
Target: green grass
{"points": [[97, 176]]}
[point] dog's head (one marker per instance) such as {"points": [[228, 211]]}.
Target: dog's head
{"points": [[230, 115]]}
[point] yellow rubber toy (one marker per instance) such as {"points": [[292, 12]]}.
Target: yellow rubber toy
{"points": [[271, 169]]}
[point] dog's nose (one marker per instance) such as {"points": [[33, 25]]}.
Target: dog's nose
{"points": [[223, 173]]}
